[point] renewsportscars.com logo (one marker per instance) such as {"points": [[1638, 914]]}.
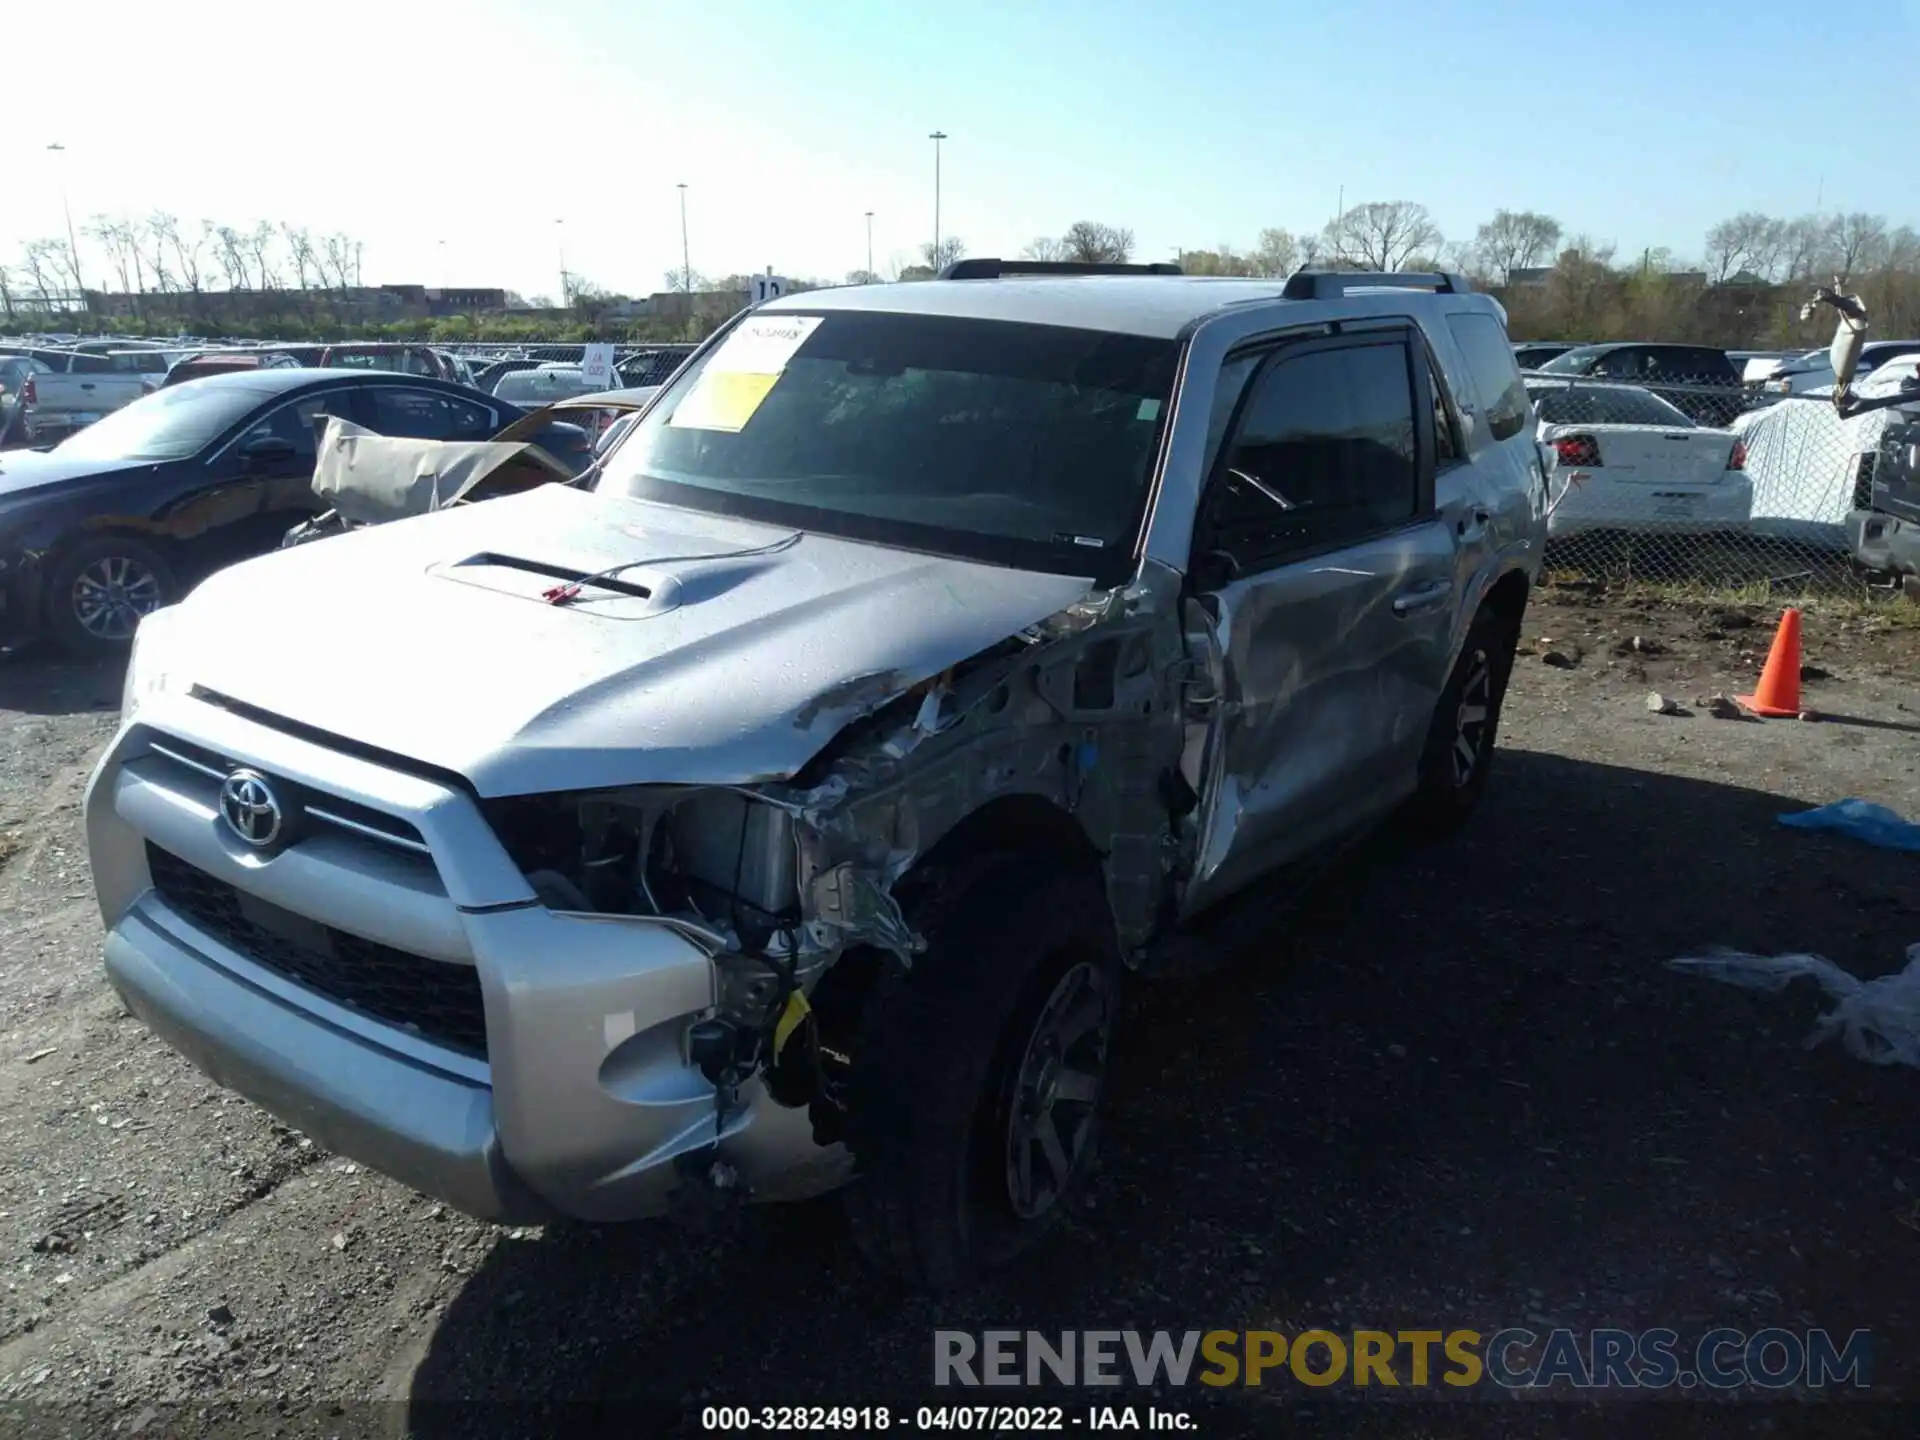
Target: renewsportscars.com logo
{"points": [[1512, 1359]]}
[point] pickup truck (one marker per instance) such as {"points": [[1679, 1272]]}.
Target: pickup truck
{"points": [[52, 406]]}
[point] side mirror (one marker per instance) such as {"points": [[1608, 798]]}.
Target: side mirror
{"points": [[267, 450]]}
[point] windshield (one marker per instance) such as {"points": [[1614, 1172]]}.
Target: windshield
{"points": [[1580, 405], [1571, 362], [1014, 444], [169, 424]]}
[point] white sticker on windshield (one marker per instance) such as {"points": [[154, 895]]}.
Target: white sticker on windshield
{"points": [[743, 371], [763, 344], [1149, 410]]}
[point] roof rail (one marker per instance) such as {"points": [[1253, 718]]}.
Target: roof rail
{"points": [[1333, 284], [987, 268]]}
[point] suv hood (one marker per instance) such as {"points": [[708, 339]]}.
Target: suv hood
{"points": [[427, 638]]}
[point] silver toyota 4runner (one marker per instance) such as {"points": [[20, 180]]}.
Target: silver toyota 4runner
{"points": [[789, 806]]}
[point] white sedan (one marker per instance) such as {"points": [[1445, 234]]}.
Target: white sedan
{"points": [[1621, 458]]}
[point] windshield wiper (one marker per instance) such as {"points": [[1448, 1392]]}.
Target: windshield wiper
{"points": [[566, 594]]}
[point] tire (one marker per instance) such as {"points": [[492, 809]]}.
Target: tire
{"points": [[96, 593], [1465, 725], [952, 1087]]}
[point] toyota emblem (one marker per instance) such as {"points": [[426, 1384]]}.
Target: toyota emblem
{"points": [[251, 809]]}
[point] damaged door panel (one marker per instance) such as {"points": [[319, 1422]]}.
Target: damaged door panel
{"points": [[1326, 606]]}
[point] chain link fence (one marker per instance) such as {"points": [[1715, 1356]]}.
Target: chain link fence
{"points": [[1681, 479]]}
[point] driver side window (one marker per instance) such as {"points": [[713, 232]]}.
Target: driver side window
{"points": [[1324, 454], [295, 423]]}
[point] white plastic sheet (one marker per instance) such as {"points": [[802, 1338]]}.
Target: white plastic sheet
{"points": [[1877, 1020]]}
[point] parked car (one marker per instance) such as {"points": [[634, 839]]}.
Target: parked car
{"points": [[15, 372], [1813, 371], [791, 806], [369, 479], [224, 362], [488, 376], [53, 405], [119, 520], [1812, 467], [1625, 459], [545, 383], [1754, 366], [1883, 530], [1531, 354], [1694, 378]]}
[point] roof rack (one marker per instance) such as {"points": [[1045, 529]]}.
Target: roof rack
{"points": [[987, 268], [1333, 284]]}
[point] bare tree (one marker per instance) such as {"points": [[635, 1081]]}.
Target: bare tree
{"points": [[1092, 243], [1806, 249], [1515, 240], [64, 262], [684, 281], [1382, 234], [862, 277], [339, 261], [260, 246], [952, 248], [1045, 248], [1750, 243], [230, 251], [6, 293], [41, 259], [1276, 252], [121, 245], [306, 270], [1859, 243]]}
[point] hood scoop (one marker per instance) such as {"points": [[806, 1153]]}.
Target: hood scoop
{"points": [[631, 595]]}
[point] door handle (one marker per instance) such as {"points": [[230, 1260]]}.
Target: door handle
{"points": [[1421, 597]]}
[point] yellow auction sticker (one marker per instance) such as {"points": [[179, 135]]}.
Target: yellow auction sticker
{"points": [[743, 371]]}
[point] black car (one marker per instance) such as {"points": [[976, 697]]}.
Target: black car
{"points": [[124, 516], [1532, 354], [1698, 379]]}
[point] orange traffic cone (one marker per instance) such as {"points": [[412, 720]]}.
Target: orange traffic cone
{"points": [[1778, 693]]}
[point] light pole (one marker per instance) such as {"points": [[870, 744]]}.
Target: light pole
{"points": [[565, 300], [73, 248], [686, 264], [869, 242], [937, 136]]}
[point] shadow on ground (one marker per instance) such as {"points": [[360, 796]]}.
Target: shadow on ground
{"points": [[36, 680], [1461, 1091]]}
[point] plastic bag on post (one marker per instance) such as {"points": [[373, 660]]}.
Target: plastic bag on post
{"points": [[1877, 1020]]}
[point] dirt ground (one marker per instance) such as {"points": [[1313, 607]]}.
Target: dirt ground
{"points": [[1461, 1089]]}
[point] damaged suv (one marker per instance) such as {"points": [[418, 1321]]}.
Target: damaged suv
{"points": [[789, 807]]}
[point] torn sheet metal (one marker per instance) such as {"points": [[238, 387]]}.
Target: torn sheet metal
{"points": [[851, 903], [370, 478]]}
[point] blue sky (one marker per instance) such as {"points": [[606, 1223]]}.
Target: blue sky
{"points": [[408, 123]]}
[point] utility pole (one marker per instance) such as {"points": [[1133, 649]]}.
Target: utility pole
{"points": [[686, 265], [73, 246], [566, 285], [937, 136], [869, 242]]}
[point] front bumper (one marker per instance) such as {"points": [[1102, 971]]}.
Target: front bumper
{"points": [[582, 1104], [1884, 542]]}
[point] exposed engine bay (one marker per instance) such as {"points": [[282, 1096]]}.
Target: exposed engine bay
{"points": [[790, 885]]}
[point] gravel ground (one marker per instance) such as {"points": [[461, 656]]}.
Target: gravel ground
{"points": [[1460, 1089]]}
